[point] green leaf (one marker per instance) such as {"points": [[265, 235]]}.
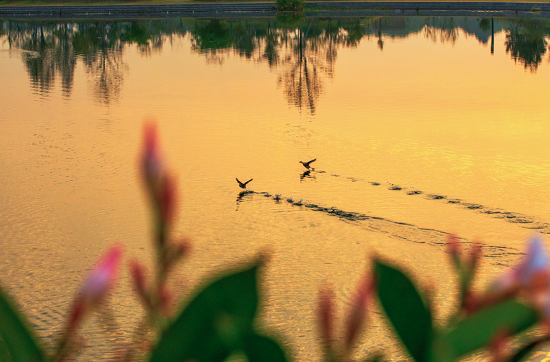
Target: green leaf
{"points": [[477, 330], [19, 340], [405, 309], [526, 350], [263, 349], [5, 355], [215, 323]]}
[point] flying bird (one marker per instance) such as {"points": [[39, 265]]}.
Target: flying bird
{"points": [[306, 164], [242, 185]]}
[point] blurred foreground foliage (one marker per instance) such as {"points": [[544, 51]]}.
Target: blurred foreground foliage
{"points": [[219, 319]]}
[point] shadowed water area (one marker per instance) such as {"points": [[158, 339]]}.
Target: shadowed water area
{"points": [[420, 126]]}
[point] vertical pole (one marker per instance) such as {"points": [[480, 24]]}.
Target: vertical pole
{"points": [[492, 36]]}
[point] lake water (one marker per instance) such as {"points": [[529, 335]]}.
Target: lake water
{"points": [[420, 126]]}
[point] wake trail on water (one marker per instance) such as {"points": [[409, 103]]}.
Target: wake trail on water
{"points": [[521, 220], [496, 254]]}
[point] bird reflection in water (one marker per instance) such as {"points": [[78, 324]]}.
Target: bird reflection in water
{"points": [[243, 195], [307, 175]]}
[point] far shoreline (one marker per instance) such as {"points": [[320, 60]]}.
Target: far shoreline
{"points": [[37, 9]]}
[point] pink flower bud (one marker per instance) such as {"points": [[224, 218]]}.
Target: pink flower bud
{"points": [[475, 256], [545, 312], [531, 277], [358, 312], [76, 315], [96, 285], [137, 272], [529, 270], [102, 276], [538, 290], [499, 346], [471, 303], [179, 250], [165, 299], [535, 261], [167, 199], [183, 247], [151, 162], [454, 248], [326, 315], [508, 280]]}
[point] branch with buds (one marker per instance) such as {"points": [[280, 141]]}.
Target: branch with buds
{"points": [[91, 295], [355, 320]]}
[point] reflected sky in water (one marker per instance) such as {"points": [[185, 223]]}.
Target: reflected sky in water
{"points": [[302, 51], [420, 126]]}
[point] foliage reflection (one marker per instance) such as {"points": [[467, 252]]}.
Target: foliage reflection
{"points": [[302, 51], [526, 42]]}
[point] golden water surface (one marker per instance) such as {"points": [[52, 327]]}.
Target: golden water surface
{"points": [[417, 124]]}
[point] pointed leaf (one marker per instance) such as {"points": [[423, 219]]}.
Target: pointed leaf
{"points": [[405, 309], [477, 330], [18, 339], [215, 323], [263, 349], [5, 355], [525, 351]]}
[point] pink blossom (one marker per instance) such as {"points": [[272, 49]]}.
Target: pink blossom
{"points": [[475, 256], [454, 247], [531, 277], [499, 346], [151, 161], [161, 186], [166, 199], [165, 298], [102, 276], [534, 263], [137, 272], [96, 285], [177, 251], [358, 311], [326, 314]]}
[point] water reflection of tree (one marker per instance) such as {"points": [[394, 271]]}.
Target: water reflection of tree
{"points": [[301, 72], [53, 51], [526, 42], [43, 61], [213, 38], [443, 29], [314, 49], [302, 52], [101, 52]]}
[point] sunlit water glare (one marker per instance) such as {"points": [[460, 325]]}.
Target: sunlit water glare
{"points": [[419, 128]]}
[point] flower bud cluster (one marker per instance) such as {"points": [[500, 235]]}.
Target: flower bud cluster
{"points": [[91, 295], [466, 266], [160, 187], [355, 320]]}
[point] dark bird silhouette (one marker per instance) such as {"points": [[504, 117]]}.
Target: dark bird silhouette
{"points": [[306, 164], [242, 185]]}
